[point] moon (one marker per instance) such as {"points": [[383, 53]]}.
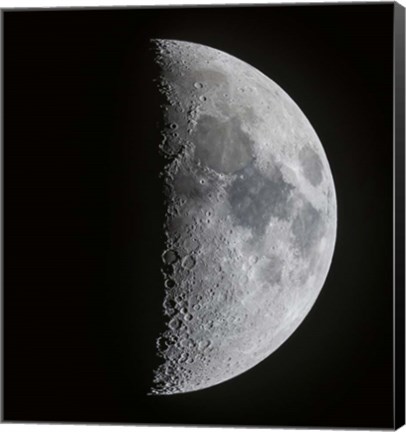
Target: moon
{"points": [[251, 217]]}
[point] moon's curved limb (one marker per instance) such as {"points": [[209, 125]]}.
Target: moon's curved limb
{"points": [[251, 217]]}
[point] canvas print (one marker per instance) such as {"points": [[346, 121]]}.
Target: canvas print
{"points": [[204, 215]]}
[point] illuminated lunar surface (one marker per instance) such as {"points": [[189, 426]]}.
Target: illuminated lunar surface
{"points": [[251, 217]]}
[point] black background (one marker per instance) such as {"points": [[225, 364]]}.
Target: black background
{"points": [[83, 215]]}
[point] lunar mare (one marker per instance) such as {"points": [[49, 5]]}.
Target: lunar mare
{"points": [[251, 217]]}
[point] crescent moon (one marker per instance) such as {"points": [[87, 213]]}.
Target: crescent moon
{"points": [[251, 217]]}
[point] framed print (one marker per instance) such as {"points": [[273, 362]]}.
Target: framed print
{"points": [[204, 215]]}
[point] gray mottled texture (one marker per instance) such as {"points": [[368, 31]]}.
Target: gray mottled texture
{"points": [[256, 198], [222, 145], [312, 165]]}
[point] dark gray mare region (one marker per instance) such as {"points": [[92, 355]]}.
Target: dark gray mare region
{"points": [[221, 144], [255, 198]]}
